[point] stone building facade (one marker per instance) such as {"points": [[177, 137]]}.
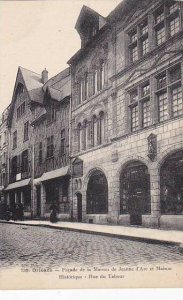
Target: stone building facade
{"points": [[3, 152], [127, 115]]}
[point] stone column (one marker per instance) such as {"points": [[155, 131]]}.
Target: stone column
{"points": [[43, 199], [83, 192], [16, 198], [113, 193], [155, 196], [22, 197], [8, 198]]}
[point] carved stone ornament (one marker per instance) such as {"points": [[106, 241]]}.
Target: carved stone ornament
{"points": [[114, 156], [152, 146], [113, 94]]}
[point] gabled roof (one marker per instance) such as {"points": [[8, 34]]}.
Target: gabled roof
{"points": [[33, 83], [32, 79]]}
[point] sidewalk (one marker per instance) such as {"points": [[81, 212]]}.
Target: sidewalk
{"points": [[137, 233]]}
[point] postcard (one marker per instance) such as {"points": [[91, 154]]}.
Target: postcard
{"points": [[91, 149]]}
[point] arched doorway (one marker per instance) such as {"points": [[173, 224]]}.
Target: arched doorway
{"points": [[135, 191], [97, 194], [79, 207], [171, 183]]}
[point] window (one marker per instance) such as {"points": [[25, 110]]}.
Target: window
{"points": [[145, 46], [84, 135], [171, 184], [93, 131], [140, 107], [174, 26], [50, 146], [134, 54], [169, 93], [63, 145], [64, 202], [159, 15], [26, 131], [86, 86], [139, 41], [14, 165], [145, 90], [25, 161], [81, 91], [40, 153], [163, 106], [177, 103], [20, 110], [79, 137], [167, 17], [97, 194], [100, 128], [19, 90], [134, 118], [15, 139], [146, 116], [51, 113], [160, 35], [161, 81], [135, 198], [95, 82], [173, 7]]}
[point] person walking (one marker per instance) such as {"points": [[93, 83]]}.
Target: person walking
{"points": [[53, 214]]}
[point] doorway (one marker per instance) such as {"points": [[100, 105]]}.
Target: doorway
{"points": [[79, 207], [38, 191], [135, 197]]}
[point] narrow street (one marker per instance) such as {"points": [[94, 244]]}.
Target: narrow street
{"points": [[21, 244]]}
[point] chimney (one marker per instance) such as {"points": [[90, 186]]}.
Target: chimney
{"points": [[44, 76]]}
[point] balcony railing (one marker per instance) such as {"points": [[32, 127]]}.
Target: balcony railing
{"points": [[49, 164], [21, 173]]}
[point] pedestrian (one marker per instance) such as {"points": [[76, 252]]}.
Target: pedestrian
{"points": [[20, 210], [53, 214], [8, 213], [14, 212]]}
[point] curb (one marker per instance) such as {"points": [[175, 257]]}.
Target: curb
{"points": [[115, 235]]}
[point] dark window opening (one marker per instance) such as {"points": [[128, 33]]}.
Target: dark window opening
{"points": [[97, 194]]}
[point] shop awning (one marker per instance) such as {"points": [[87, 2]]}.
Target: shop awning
{"points": [[17, 184], [1, 188], [54, 174]]}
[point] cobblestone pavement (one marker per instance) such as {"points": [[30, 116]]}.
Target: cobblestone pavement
{"points": [[21, 244]]}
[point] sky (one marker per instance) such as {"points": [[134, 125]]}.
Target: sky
{"points": [[38, 35]]}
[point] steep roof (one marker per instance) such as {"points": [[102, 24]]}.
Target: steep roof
{"points": [[34, 85], [58, 77], [59, 86]]}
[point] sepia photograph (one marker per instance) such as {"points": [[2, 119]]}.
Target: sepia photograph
{"points": [[91, 144]]}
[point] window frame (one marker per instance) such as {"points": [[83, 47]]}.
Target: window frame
{"points": [[173, 81], [50, 147], [26, 131], [15, 139]]}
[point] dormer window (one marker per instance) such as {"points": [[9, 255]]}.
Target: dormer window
{"points": [[88, 24]]}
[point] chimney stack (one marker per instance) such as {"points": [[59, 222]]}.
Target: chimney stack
{"points": [[44, 76]]}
